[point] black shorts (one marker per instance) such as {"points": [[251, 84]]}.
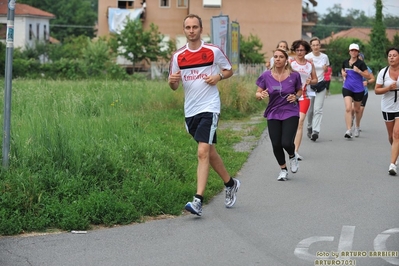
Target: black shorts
{"points": [[356, 96], [364, 100], [203, 127], [389, 117]]}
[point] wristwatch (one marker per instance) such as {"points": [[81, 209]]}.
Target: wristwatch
{"points": [[221, 76]]}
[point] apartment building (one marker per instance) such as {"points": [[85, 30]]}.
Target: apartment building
{"points": [[270, 20]]}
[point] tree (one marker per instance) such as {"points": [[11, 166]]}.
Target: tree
{"points": [[391, 21], [136, 44], [250, 50], [378, 39], [72, 17], [395, 41], [334, 21]]}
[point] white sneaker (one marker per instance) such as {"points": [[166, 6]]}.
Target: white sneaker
{"points": [[231, 193], [299, 157], [356, 132], [283, 175], [195, 207], [294, 165], [392, 169], [348, 134]]}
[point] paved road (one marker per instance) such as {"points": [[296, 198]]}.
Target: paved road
{"points": [[341, 200]]}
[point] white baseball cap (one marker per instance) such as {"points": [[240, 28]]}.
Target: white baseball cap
{"points": [[354, 46]]}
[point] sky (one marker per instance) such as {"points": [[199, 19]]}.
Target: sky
{"points": [[391, 7]]}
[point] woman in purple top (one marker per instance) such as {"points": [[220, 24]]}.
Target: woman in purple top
{"points": [[353, 70], [283, 87]]}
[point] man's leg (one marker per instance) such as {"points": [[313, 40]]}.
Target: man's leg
{"points": [[203, 154], [217, 164]]}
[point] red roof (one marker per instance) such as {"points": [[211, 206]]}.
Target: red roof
{"points": [[362, 34], [23, 10]]}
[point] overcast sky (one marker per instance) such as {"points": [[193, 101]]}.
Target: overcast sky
{"points": [[391, 7]]}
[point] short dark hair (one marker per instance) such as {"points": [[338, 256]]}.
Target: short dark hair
{"points": [[392, 48], [295, 45], [193, 16]]}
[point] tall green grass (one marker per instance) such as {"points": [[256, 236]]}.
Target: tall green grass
{"points": [[106, 152]]}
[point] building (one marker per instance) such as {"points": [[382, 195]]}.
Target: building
{"points": [[270, 20], [30, 24]]}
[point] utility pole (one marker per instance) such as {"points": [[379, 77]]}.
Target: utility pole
{"points": [[8, 82]]}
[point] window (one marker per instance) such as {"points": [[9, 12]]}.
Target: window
{"points": [[3, 31], [212, 3], [125, 4], [45, 32], [37, 31], [164, 3], [182, 3], [30, 32]]}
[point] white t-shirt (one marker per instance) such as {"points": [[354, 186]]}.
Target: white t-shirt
{"points": [[305, 70], [388, 103], [319, 62], [195, 66]]}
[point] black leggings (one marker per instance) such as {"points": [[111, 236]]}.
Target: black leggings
{"points": [[282, 135]]}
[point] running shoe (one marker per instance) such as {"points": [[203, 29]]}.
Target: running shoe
{"points": [[299, 157], [283, 175], [348, 134], [356, 132], [392, 169], [195, 207], [315, 135], [294, 165], [231, 193]]}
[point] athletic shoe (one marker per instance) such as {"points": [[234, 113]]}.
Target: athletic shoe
{"points": [[309, 132], [231, 193], [348, 134], [195, 207], [299, 157], [356, 132], [315, 135], [283, 175], [392, 169], [294, 165]]}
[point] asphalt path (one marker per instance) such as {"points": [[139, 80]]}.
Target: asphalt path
{"points": [[341, 207]]}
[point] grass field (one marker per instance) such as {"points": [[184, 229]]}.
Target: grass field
{"points": [[87, 153]]}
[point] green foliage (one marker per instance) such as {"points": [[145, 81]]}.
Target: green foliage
{"points": [[71, 48], [374, 50], [136, 44], [95, 152], [96, 55], [391, 21], [68, 12], [395, 41], [250, 50], [378, 40], [77, 58]]}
